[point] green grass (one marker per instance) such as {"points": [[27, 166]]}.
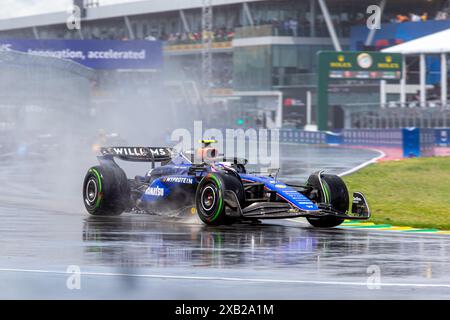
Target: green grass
{"points": [[412, 192]]}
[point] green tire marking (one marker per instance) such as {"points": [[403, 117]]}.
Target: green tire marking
{"points": [[218, 243], [216, 214], [422, 230], [391, 228], [326, 192], [370, 227], [388, 227], [97, 204]]}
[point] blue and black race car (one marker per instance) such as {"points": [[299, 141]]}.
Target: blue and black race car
{"points": [[218, 189]]}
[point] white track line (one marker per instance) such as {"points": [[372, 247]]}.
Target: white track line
{"points": [[365, 164], [232, 279]]}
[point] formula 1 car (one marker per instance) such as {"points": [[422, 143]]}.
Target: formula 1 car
{"points": [[218, 189]]}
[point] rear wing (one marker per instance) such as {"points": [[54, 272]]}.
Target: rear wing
{"points": [[140, 154]]}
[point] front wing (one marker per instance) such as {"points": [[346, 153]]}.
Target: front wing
{"points": [[282, 210]]}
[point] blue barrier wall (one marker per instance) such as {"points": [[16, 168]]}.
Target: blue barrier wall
{"points": [[427, 142], [442, 137], [414, 142], [418, 142], [366, 137], [303, 137], [411, 142], [373, 137]]}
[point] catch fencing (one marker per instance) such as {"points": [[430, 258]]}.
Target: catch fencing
{"points": [[32, 85]]}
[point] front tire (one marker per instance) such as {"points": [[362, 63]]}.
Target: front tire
{"points": [[210, 197], [106, 191], [334, 193]]}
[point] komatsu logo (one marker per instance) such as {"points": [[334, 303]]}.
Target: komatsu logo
{"points": [[180, 180], [156, 191], [130, 151]]}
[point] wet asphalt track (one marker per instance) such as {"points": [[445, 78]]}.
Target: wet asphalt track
{"points": [[44, 229]]}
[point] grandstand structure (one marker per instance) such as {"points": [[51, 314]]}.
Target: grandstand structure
{"points": [[257, 58]]}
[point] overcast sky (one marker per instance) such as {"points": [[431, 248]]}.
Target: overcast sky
{"points": [[16, 8]]}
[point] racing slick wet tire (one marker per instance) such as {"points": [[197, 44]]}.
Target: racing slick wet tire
{"points": [[106, 191], [335, 193], [210, 197]]}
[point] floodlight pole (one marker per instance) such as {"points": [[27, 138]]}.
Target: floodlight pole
{"points": [[35, 33], [312, 13], [403, 83], [444, 75], [207, 39], [129, 27], [308, 107], [423, 81], [330, 25], [248, 14], [373, 31], [322, 91], [184, 21], [383, 98]]}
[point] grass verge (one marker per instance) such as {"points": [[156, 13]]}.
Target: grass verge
{"points": [[411, 192]]}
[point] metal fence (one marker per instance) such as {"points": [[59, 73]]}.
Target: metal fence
{"points": [[371, 116], [34, 87], [421, 141]]}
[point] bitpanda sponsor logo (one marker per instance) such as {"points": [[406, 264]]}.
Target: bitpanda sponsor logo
{"points": [[155, 191], [180, 180]]}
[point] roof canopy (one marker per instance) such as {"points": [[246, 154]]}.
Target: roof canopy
{"points": [[438, 42], [111, 11]]}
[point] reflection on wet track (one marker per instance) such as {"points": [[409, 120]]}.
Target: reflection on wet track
{"points": [[192, 245], [127, 242], [142, 256]]}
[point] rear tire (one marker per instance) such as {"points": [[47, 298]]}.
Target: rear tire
{"points": [[336, 194], [106, 191], [210, 198]]}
